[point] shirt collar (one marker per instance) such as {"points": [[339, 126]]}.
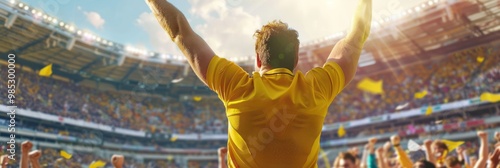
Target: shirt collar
{"points": [[279, 71]]}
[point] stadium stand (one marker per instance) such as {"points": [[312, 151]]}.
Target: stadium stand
{"points": [[190, 122], [448, 79]]}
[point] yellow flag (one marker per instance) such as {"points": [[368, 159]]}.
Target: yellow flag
{"points": [[480, 54], [65, 154], [341, 132], [197, 98], [173, 139], [452, 145], [46, 71], [490, 97], [428, 111], [371, 86], [96, 164], [420, 95], [480, 59]]}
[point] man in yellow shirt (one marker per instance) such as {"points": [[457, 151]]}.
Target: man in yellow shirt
{"points": [[275, 116]]}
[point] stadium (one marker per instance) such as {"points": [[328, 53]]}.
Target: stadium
{"points": [[103, 98]]}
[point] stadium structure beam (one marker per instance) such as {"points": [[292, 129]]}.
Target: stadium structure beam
{"points": [[10, 20], [472, 28], [87, 66], [129, 72], [53, 55], [441, 51], [420, 49], [28, 45], [476, 41], [109, 72], [488, 10]]}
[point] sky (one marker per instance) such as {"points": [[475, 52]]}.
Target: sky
{"points": [[226, 25]]}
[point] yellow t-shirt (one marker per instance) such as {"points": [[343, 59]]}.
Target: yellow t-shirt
{"points": [[275, 119]]}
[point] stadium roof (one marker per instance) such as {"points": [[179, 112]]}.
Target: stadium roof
{"points": [[428, 30]]}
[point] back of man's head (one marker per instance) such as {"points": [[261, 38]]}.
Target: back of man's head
{"points": [[277, 45]]}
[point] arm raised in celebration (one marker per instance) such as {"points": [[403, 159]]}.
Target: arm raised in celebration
{"points": [[347, 51], [195, 49]]}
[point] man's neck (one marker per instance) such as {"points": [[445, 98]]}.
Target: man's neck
{"points": [[263, 70]]}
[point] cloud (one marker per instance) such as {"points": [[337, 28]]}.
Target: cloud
{"points": [[228, 25], [95, 19], [315, 19], [229, 31], [160, 40]]}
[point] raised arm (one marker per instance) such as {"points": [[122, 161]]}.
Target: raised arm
{"points": [[34, 158], [429, 155], [483, 150], [381, 158], [222, 153], [495, 158], [381, 155], [403, 159], [371, 160], [460, 155], [25, 149], [4, 161], [346, 52], [196, 50]]}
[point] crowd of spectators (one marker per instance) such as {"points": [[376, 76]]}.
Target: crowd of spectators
{"points": [[51, 158], [117, 108], [474, 152], [454, 77]]}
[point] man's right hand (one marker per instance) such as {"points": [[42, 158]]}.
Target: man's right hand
{"points": [[34, 157], [4, 160], [354, 151], [222, 151], [482, 135], [26, 147], [117, 161], [395, 140], [387, 146], [460, 150], [427, 143]]}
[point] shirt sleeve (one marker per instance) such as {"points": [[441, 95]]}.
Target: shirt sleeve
{"points": [[223, 77], [403, 159], [371, 161], [329, 80]]}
